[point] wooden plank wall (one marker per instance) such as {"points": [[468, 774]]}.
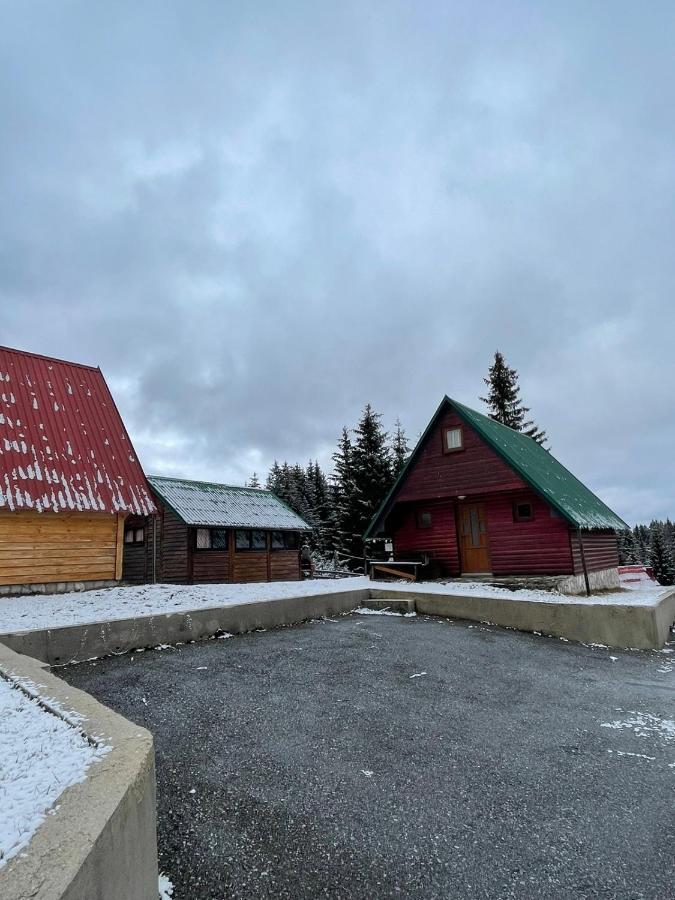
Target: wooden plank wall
{"points": [[137, 564], [538, 547], [601, 550], [440, 540], [284, 565], [174, 553], [476, 468], [210, 566], [40, 548], [250, 566]]}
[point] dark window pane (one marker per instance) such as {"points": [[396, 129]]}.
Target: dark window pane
{"points": [[277, 540], [523, 511], [291, 541], [475, 530], [424, 520], [243, 540], [260, 540], [218, 539]]}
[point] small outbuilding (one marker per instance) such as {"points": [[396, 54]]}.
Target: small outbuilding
{"points": [[69, 476], [211, 533], [479, 499]]}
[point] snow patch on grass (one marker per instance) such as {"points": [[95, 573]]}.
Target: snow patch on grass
{"points": [[41, 754]]}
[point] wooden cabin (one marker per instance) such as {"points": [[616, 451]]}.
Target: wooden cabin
{"points": [[479, 499], [210, 533], [69, 476]]}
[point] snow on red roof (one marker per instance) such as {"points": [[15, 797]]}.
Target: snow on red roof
{"points": [[63, 445]]}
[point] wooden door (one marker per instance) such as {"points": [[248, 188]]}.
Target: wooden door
{"points": [[473, 539]]}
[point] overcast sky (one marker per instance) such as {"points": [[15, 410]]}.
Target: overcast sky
{"points": [[256, 217]]}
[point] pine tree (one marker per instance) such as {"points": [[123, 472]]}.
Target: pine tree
{"points": [[661, 557], [254, 481], [372, 472], [504, 401], [641, 544], [343, 492], [400, 449]]}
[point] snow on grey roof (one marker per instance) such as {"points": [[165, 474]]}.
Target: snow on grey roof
{"points": [[205, 503]]}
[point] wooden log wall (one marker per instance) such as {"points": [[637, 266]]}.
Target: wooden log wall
{"points": [[37, 548], [601, 550]]}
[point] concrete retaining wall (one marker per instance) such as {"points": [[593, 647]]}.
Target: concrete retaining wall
{"points": [[100, 843], [616, 625], [59, 646], [53, 587]]}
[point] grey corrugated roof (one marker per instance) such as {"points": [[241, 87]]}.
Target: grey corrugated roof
{"points": [[204, 503]]}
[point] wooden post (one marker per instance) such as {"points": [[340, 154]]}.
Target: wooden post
{"points": [[119, 548], [583, 563]]}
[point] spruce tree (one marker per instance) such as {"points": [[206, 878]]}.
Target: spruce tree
{"points": [[661, 557], [254, 481], [344, 493], [400, 449], [372, 472], [504, 401]]}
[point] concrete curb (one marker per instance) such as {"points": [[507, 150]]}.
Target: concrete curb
{"points": [[616, 625], [75, 643], [101, 841]]}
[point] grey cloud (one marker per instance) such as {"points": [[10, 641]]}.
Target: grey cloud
{"points": [[256, 218]]}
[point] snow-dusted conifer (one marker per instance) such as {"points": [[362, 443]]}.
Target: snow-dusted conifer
{"points": [[503, 400]]}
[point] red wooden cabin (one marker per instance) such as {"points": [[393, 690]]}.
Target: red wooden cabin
{"points": [[480, 499]]}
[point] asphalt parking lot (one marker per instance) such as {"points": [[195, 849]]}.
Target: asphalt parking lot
{"points": [[381, 756]]}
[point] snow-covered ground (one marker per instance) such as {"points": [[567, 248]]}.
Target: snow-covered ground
{"points": [[55, 610], [40, 756], [638, 596]]}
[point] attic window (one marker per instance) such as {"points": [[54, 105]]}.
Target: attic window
{"points": [[211, 539], [453, 440], [424, 520], [523, 512], [134, 535]]}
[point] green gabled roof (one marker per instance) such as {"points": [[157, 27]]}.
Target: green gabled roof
{"points": [[539, 468]]}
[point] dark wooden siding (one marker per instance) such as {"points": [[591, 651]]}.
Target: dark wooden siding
{"points": [[284, 565], [440, 540], [601, 550], [250, 565], [174, 555], [538, 547], [137, 559], [475, 469], [210, 566], [178, 562]]}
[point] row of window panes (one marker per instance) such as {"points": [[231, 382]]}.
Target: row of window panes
{"points": [[246, 539]]}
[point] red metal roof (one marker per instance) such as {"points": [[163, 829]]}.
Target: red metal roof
{"points": [[63, 445]]}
